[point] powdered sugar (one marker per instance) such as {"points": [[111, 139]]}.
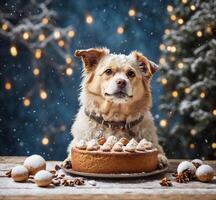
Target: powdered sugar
{"points": [[43, 175], [19, 170], [34, 161]]}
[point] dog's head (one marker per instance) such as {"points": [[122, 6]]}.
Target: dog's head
{"points": [[117, 78]]}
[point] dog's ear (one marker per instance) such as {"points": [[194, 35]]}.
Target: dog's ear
{"points": [[91, 57], [146, 66]]}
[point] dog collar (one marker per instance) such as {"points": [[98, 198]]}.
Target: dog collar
{"points": [[113, 124]]}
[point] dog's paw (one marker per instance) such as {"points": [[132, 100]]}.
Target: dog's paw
{"points": [[66, 163], [162, 161]]}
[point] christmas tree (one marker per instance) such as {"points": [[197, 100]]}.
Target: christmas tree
{"points": [[188, 77]]}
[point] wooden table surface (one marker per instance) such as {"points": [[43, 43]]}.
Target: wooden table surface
{"points": [[148, 188]]}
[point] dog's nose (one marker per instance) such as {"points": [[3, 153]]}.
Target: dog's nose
{"points": [[121, 83]]}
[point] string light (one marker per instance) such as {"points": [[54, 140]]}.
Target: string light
{"points": [[162, 61], [214, 112], [168, 48], [187, 90], [174, 93], [43, 94], [202, 95], [4, 27], [131, 12], [8, 85], [169, 8], [213, 145], [38, 53], [172, 58], [25, 35], [120, 30], [192, 146], [69, 71], [36, 71], [56, 34], [199, 33], [45, 20], [163, 123], [45, 141], [13, 50], [41, 37], [61, 43], [71, 33], [180, 65], [68, 60], [167, 31], [184, 1], [193, 7], [26, 101], [164, 81], [173, 17], [209, 29], [162, 47], [180, 21], [89, 19], [173, 49], [193, 131]]}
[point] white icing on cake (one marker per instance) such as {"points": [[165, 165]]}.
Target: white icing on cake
{"points": [[118, 147], [111, 140], [131, 146], [105, 147], [93, 145], [81, 144]]}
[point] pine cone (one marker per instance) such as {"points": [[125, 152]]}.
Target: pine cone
{"points": [[79, 181], [188, 173], [182, 178], [67, 182], [166, 182]]}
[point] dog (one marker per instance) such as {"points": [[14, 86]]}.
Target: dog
{"points": [[115, 98]]}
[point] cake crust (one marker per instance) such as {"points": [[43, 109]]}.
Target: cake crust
{"points": [[113, 162]]}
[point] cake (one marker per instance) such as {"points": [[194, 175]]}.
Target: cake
{"points": [[113, 157]]}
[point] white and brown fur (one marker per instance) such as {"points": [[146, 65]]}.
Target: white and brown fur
{"points": [[99, 94]]}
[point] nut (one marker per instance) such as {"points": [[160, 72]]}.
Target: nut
{"points": [[105, 147], [79, 181], [101, 140], [124, 141], [182, 178], [166, 182]]}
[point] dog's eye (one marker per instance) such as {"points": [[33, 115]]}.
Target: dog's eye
{"points": [[108, 72], [130, 74]]}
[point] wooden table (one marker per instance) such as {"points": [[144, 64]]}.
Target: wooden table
{"points": [[148, 188]]}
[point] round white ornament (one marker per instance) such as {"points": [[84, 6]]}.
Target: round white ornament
{"points": [[205, 173], [19, 173], [34, 164], [43, 178], [197, 162], [186, 166]]}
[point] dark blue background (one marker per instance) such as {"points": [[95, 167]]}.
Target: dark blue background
{"points": [[22, 128]]}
